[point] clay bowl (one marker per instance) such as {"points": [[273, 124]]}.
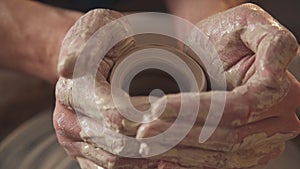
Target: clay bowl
{"points": [[148, 79]]}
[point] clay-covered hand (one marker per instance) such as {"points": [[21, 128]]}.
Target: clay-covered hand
{"points": [[259, 114], [76, 142], [262, 96], [260, 101]]}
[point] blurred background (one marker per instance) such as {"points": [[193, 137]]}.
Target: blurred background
{"points": [[287, 12]]}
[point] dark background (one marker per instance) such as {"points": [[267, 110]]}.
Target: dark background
{"points": [[286, 12]]}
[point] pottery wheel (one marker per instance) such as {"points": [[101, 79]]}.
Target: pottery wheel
{"points": [[34, 146]]}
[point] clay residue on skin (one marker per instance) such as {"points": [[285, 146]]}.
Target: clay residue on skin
{"points": [[107, 160], [252, 157], [259, 139], [83, 30], [60, 119], [87, 164], [63, 91], [253, 89]]}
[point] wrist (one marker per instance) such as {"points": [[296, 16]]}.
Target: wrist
{"points": [[31, 37], [48, 39], [52, 51]]}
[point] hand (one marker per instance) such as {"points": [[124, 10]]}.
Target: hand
{"points": [[65, 121], [259, 113], [261, 100], [255, 51]]}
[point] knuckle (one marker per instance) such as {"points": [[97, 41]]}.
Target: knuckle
{"points": [[146, 130], [249, 7], [58, 122], [288, 42], [63, 91], [86, 26]]}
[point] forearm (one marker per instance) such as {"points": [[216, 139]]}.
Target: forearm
{"points": [[196, 10], [31, 34]]}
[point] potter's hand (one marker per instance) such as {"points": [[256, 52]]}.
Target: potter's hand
{"points": [[76, 142], [254, 126], [259, 112]]}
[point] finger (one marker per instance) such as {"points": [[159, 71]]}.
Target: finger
{"points": [[239, 29], [106, 110], [262, 97], [225, 139], [65, 123], [94, 154], [285, 107], [228, 111], [75, 41], [70, 147], [71, 136], [63, 92], [267, 131], [110, 161], [223, 31], [67, 129], [222, 139], [191, 157], [169, 165], [236, 39], [85, 26], [87, 164], [258, 156], [69, 132], [274, 45], [95, 133], [255, 158], [235, 108]]}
